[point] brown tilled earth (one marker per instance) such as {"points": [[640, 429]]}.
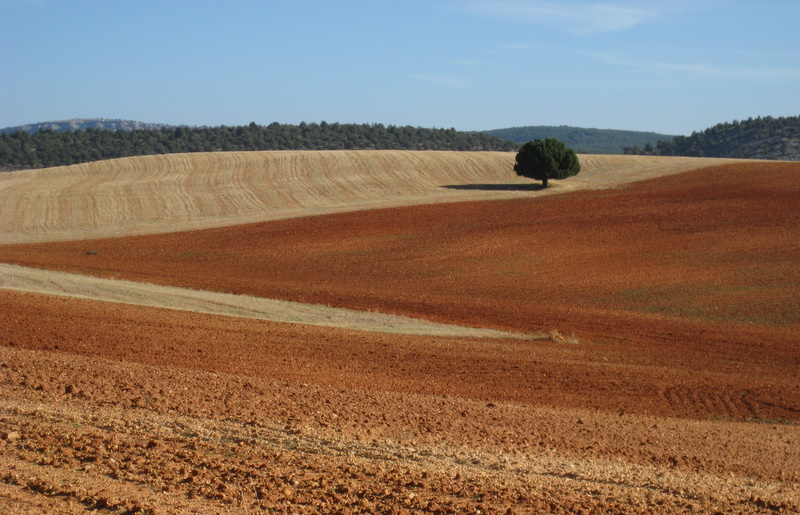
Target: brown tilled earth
{"points": [[682, 393]]}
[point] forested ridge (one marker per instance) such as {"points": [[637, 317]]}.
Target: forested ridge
{"points": [[581, 140], [48, 147], [754, 138], [58, 144]]}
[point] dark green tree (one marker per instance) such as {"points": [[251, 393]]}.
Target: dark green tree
{"points": [[545, 159]]}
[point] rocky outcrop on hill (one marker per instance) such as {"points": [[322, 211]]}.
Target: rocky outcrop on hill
{"points": [[83, 124]]}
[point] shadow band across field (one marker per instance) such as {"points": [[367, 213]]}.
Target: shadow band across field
{"points": [[47, 282], [495, 187]]}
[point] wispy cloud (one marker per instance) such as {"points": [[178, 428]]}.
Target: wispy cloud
{"points": [[575, 17], [699, 68], [439, 80], [615, 60]]}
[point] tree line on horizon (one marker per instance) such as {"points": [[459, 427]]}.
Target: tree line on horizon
{"points": [[48, 147], [754, 138], [759, 138], [581, 140]]}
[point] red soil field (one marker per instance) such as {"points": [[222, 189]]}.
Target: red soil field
{"points": [[683, 293], [718, 245]]}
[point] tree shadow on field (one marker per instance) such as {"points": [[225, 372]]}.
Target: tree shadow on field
{"points": [[496, 187]]}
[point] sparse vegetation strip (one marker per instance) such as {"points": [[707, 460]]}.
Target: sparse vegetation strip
{"points": [[70, 285]]}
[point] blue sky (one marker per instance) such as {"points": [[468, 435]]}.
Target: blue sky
{"points": [[666, 66]]}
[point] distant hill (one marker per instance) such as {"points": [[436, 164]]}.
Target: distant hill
{"points": [[583, 141], [759, 138], [83, 124]]}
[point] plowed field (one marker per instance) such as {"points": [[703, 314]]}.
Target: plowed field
{"points": [[677, 387]]}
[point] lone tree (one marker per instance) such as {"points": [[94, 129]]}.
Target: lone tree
{"points": [[545, 159]]}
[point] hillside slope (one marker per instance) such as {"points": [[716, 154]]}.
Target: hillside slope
{"points": [[759, 138], [166, 193], [680, 396], [719, 245]]}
